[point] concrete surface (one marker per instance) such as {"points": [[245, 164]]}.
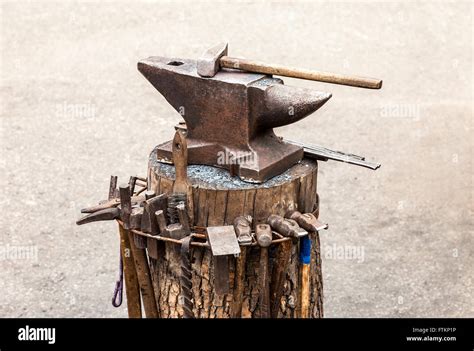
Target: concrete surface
{"points": [[75, 110]]}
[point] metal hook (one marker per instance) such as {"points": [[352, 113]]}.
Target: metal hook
{"points": [[118, 291]]}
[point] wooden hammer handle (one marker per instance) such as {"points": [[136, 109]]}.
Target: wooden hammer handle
{"points": [[180, 160], [132, 288], [268, 68]]}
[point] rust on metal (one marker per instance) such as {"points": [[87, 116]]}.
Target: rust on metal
{"points": [[106, 214], [230, 117], [307, 221], [286, 227]]}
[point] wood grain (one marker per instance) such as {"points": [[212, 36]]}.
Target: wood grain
{"points": [[215, 204]]}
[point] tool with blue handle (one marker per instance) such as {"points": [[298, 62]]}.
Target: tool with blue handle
{"points": [[309, 222]]}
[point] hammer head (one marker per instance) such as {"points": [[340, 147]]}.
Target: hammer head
{"points": [[208, 64]]}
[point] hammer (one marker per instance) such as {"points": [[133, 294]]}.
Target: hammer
{"points": [[286, 226], [216, 57], [309, 222]]}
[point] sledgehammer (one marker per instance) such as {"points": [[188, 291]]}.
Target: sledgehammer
{"points": [[216, 57]]}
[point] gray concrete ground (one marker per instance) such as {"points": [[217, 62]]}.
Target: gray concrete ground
{"points": [[75, 110]]}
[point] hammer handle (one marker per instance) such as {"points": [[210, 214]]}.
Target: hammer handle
{"points": [[268, 68], [132, 288], [305, 262], [180, 160], [280, 267], [305, 291]]}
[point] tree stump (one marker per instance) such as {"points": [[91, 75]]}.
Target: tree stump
{"points": [[218, 199]]}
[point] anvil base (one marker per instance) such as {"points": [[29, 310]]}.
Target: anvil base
{"points": [[255, 163]]}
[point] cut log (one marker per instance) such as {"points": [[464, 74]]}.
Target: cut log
{"points": [[218, 199]]}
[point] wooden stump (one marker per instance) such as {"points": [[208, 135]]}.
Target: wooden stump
{"points": [[218, 200]]}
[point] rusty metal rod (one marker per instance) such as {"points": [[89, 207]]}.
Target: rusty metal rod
{"points": [[162, 238], [196, 235], [176, 241], [326, 77]]}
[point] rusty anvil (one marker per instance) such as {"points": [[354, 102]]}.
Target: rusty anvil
{"points": [[230, 116]]}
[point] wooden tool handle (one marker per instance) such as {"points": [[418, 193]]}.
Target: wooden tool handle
{"points": [[144, 279], [132, 288], [280, 268], [180, 160], [305, 264], [268, 68], [264, 287], [305, 291], [239, 283]]}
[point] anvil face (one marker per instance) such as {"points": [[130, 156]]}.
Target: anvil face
{"points": [[230, 116]]}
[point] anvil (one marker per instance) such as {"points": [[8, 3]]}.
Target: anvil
{"points": [[230, 117]]}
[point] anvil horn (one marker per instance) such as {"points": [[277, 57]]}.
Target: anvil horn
{"points": [[285, 105]]}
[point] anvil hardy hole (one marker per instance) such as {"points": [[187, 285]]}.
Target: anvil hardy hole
{"points": [[175, 63]]}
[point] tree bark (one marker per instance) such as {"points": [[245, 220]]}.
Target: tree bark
{"points": [[218, 199]]}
